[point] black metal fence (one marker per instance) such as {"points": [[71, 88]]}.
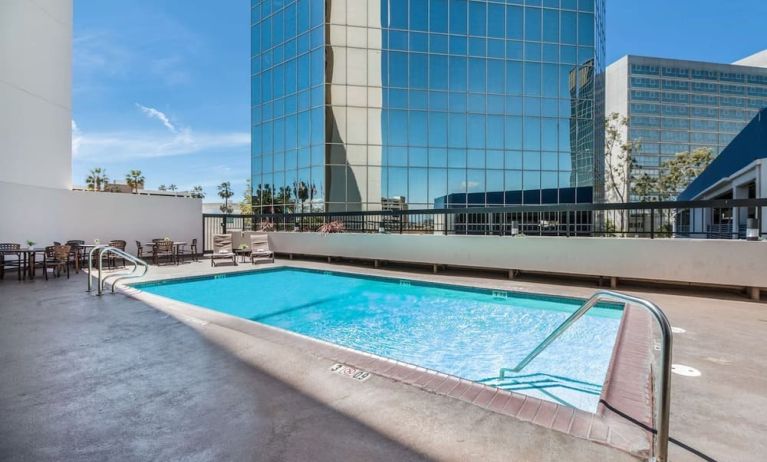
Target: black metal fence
{"points": [[712, 219]]}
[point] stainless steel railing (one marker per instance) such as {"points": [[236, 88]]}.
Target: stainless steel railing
{"points": [[664, 378], [102, 278]]}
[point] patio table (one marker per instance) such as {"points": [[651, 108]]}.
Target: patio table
{"points": [[27, 259], [85, 249], [176, 246], [243, 254]]}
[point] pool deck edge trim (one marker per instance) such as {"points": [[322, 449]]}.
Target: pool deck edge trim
{"points": [[602, 427]]}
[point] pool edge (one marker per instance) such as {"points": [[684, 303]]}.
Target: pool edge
{"points": [[601, 428]]}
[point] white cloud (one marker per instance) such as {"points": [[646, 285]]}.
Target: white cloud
{"points": [[76, 138], [127, 145], [153, 113]]}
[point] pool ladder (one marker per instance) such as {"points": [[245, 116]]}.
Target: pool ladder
{"points": [[102, 279], [663, 379]]}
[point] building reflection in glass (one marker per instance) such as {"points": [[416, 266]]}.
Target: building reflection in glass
{"points": [[429, 102]]}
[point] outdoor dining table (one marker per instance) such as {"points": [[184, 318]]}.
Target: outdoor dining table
{"points": [[28, 256], [86, 250], [176, 247]]}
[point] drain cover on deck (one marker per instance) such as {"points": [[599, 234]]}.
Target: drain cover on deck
{"points": [[351, 372], [686, 371]]}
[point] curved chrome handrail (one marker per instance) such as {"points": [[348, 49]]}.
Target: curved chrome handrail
{"points": [[102, 279], [125, 274], [90, 265], [661, 450]]}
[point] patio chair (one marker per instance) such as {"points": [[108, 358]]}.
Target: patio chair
{"points": [[56, 258], [222, 249], [191, 251], [139, 250], [163, 248], [79, 255], [259, 248], [10, 258], [111, 257]]}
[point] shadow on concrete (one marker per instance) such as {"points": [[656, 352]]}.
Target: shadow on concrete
{"points": [[88, 378]]}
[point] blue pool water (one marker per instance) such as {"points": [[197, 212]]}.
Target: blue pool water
{"points": [[469, 333]]}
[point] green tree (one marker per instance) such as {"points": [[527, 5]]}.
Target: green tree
{"points": [[246, 204], [198, 193], [134, 179], [619, 157], [225, 192], [162, 187], [674, 175], [97, 179]]}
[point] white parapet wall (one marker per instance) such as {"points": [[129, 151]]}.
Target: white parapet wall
{"points": [[45, 215], [36, 92], [697, 261]]}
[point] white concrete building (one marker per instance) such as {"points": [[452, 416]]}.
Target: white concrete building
{"points": [[678, 106], [37, 202]]}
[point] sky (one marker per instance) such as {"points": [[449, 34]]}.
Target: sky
{"points": [[163, 85]]}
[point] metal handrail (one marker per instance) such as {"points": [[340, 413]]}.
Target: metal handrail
{"points": [[661, 443], [105, 249]]}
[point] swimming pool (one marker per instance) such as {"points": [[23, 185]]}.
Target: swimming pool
{"points": [[467, 332]]}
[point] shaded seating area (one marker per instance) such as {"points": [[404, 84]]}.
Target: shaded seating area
{"points": [[57, 258]]}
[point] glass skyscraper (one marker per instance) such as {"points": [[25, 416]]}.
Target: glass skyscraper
{"points": [[677, 106], [361, 104]]}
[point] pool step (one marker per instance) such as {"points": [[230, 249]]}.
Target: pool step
{"points": [[539, 381]]}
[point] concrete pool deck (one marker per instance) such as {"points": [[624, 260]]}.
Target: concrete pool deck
{"points": [[96, 378]]}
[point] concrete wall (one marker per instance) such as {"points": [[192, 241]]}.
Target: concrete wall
{"points": [[36, 92], [616, 101], [738, 263], [45, 215]]}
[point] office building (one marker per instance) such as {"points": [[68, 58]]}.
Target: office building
{"points": [[446, 102], [677, 106]]}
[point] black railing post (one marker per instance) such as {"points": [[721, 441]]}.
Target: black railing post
{"points": [[652, 223], [223, 224]]}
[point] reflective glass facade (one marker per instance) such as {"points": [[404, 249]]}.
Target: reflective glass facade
{"points": [[360, 104], [678, 106]]}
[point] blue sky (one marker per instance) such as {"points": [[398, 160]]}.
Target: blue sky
{"points": [[163, 85]]}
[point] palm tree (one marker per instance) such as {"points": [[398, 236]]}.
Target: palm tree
{"points": [[162, 187], [198, 193], [134, 180], [225, 192], [172, 187], [97, 179]]}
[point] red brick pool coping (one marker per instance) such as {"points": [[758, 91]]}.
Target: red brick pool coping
{"points": [[628, 386]]}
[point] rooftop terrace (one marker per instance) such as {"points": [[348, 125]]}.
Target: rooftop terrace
{"points": [[90, 378]]}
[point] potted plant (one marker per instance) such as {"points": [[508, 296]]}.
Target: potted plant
{"points": [[335, 226], [266, 226]]}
